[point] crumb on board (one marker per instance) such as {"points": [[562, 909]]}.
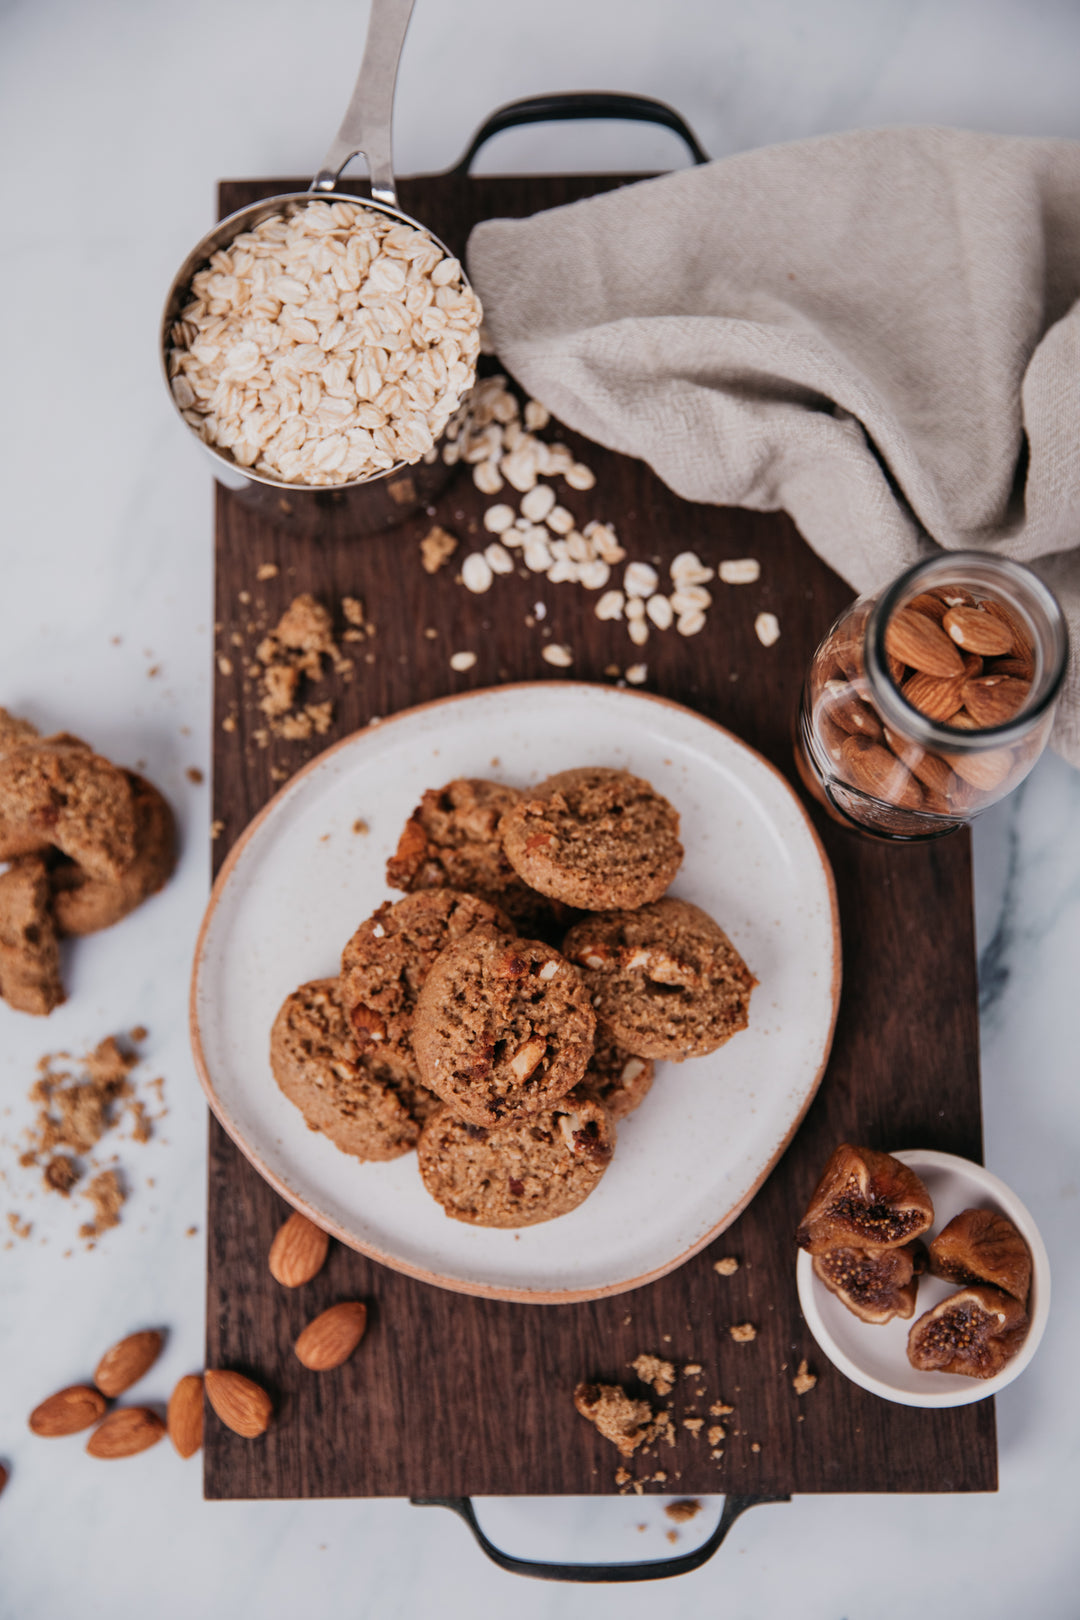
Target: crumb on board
{"points": [[655, 1371], [720, 1409], [360, 827], [804, 1380], [615, 1415], [715, 1434], [692, 1369], [727, 1267], [436, 548], [266, 571], [694, 1424], [194, 775], [743, 1332], [216, 830]]}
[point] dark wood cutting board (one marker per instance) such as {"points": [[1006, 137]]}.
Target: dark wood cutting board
{"points": [[451, 1395]]}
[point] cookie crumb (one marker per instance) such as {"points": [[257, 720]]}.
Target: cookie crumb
{"points": [[727, 1267], [216, 830], [60, 1175], [229, 723], [672, 1536], [692, 1369], [266, 571], [194, 775], [688, 1507], [804, 1380], [107, 1197], [743, 1332], [353, 609], [360, 826], [694, 1424], [719, 1409], [623, 1421], [715, 1434], [755, 1446], [21, 1229], [436, 548], [652, 1370], [138, 1034], [191, 1231]]}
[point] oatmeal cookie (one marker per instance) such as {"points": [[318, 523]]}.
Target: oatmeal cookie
{"points": [[521, 1172], [366, 1106], [451, 841], [59, 792], [616, 1078], [83, 904], [595, 838], [504, 1027], [29, 954], [388, 958], [15, 732], [666, 980]]}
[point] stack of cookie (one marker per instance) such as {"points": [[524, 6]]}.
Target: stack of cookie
{"points": [[457, 1027], [86, 843]]}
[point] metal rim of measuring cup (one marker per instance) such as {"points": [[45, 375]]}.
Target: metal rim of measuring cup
{"points": [[365, 129]]}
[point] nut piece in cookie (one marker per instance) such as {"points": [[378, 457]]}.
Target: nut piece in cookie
{"points": [[386, 961], [620, 1419], [365, 1105], [979, 1246], [616, 1078], [865, 1198], [875, 1284], [974, 1332], [521, 1172], [504, 1027], [596, 838], [83, 904], [452, 841], [665, 979], [59, 792], [29, 954]]}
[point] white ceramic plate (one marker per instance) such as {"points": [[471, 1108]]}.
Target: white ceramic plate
{"points": [[689, 1160], [875, 1357]]}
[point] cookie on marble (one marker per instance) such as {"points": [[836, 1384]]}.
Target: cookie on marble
{"points": [[386, 961], [83, 904], [594, 838], [59, 793], [521, 1172], [504, 1027], [29, 954], [452, 841], [617, 1078], [665, 979], [365, 1105]]}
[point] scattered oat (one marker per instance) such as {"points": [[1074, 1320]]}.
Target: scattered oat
{"points": [[225, 665], [767, 629], [558, 655], [266, 571], [610, 605], [685, 1509], [660, 611], [194, 775], [740, 571], [498, 558], [461, 661], [804, 1380], [637, 674], [476, 572], [688, 569], [655, 1371], [537, 503], [727, 1267], [640, 579], [688, 624], [579, 476], [638, 631], [743, 1332], [537, 416], [499, 518], [436, 548]]}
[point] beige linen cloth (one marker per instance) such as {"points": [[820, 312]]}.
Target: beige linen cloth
{"points": [[877, 332]]}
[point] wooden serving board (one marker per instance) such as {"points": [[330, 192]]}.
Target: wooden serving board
{"points": [[451, 1395]]}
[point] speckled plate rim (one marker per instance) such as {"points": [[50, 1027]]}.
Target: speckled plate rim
{"points": [[968, 1390], [529, 1296]]}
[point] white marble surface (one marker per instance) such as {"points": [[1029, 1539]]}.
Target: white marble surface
{"points": [[116, 120]]}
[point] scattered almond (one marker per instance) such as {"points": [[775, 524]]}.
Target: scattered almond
{"points": [[184, 1418], [68, 1411], [126, 1362], [331, 1338], [125, 1432], [916, 640], [298, 1251], [241, 1404]]}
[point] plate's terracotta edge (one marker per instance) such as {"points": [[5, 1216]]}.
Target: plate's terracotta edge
{"points": [[972, 1393], [461, 1285]]}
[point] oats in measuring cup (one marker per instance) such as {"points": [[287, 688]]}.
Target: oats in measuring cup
{"points": [[328, 344]]}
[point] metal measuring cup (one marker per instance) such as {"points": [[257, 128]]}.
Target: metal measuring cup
{"points": [[380, 499]]}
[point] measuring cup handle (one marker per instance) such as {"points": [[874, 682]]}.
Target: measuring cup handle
{"points": [[574, 104], [367, 126]]}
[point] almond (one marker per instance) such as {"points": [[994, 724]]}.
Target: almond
{"points": [[876, 771], [298, 1251], [991, 700], [930, 769], [126, 1431], [127, 1361], [68, 1411], [241, 1404], [987, 770], [184, 1418], [848, 711], [918, 641], [933, 696], [1022, 666], [978, 631], [332, 1337], [929, 604]]}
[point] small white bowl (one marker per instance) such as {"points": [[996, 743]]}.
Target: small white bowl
{"points": [[875, 1357]]}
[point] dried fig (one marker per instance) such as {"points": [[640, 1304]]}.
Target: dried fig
{"points": [[974, 1332], [865, 1199], [876, 1284], [979, 1246]]}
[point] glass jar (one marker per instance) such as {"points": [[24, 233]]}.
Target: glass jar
{"points": [[933, 699]]}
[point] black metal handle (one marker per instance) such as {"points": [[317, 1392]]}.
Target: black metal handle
{"points": [[650, 1569], [574, 104]]}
